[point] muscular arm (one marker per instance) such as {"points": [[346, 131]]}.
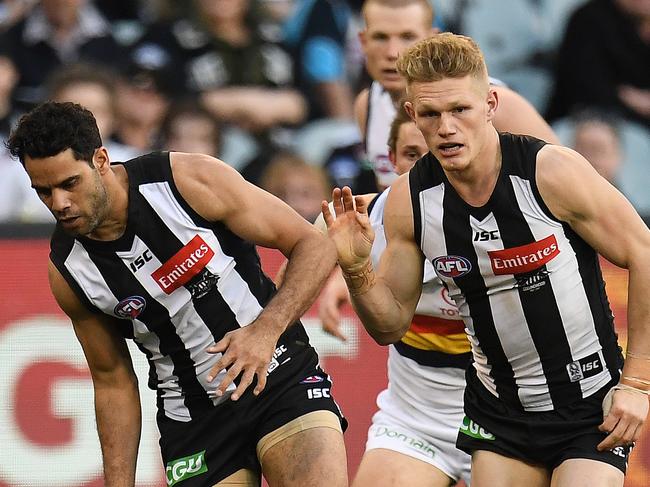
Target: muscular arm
{"points": [[256, 108], [361, 111], [218, 193], [117, 400], [336, 99], [385, 300], [516, 115], [576, 194]]}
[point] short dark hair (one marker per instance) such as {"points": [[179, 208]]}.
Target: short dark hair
{"points": [[191, 108], [80, 73], [51, 128]]}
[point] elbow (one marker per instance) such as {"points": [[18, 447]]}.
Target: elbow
{"points": [[114, 380], [386, 338]]}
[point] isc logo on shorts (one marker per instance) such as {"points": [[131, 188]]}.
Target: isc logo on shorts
{"points": [[318, 393]]}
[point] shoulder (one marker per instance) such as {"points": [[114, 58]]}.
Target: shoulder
{"points": [[65, 296], [398, 212], [563, 175], [210, 186], [361, 109], [558, 162], [197, 166]]}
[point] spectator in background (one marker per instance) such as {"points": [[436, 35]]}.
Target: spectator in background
{"points": [[143, 98], [314, 33], [54, 33], [12, 11], [604, 60], [224, 57], [189, 127], [18, 202], [596, 137], [297, 183], [93, 87], [8, 79]]}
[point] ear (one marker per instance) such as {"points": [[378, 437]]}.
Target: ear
{"points": [[363, 39], [101, 160], [408, 106], [493, 103]]}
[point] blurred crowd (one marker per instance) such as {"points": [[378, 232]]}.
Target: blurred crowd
{"points": [[268, 85]]}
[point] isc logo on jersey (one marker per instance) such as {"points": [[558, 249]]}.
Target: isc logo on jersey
{"points": [[451, 266]]}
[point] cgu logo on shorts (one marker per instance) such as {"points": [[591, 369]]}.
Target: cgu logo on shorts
{"points": [[451, 266], [130, 307], [525, 258], [470, 428], [184, 468], [184, 265]]}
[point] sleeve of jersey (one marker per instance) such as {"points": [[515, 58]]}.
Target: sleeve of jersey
{"points": [[59, 261]]}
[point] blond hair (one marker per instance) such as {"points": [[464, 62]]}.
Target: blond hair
{"points": [[441, 56], [426, 6]]}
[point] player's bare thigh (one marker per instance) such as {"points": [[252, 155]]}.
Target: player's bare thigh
{"points": [[241, 478], [582, 472], [490, 469], [386, 468], [306, 452]]}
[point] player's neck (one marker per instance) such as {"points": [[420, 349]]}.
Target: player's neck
{"points": [[114, 223], [396, 96], [475, 184]]}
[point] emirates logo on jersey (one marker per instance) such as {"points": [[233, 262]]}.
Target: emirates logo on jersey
{"points": [[525, 258], [184, 265]]}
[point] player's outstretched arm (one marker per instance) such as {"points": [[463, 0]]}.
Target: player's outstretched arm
{"points": [[384, 300], [117, 400], [603, 217], [219, 193]]}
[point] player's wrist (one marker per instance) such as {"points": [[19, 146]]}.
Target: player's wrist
{"points": [[622, 386], [359, 278], [636, 384]]}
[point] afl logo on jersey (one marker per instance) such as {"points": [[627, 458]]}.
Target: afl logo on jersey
{"points": [[451, 266], [130, 307]]}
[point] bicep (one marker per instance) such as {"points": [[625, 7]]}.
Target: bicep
{"points": [[576, 194], [219, 193], [401, 265], [361, 111], [401, 268]]}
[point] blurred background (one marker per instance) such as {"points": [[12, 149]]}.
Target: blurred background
{"points": [[268, 87]]}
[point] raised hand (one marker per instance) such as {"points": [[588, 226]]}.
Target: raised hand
{"points": [[349, 228]]}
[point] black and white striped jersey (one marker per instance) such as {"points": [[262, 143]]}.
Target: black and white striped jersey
{"points": [[177, 282], [527, 286]]}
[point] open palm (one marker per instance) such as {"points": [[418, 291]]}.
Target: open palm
{"points": [[349, 228]]}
